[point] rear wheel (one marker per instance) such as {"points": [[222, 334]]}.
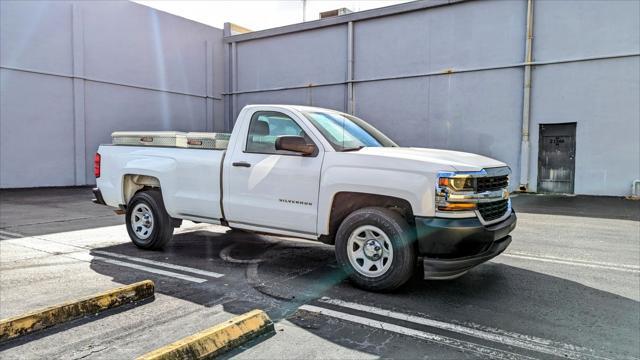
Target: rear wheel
{"points": [[148, 224], [374, 246]]}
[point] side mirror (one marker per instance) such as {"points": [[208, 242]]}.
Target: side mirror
{"points": [[295, 143]]}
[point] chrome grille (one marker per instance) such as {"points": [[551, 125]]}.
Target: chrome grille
{"points": [[491, 183], [493, 210]]}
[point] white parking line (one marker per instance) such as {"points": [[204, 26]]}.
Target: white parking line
{"points": [[83, 254], [574, 262], [56, 244], [9, 235], [484, 351], [162, 264], [151, 270], [499, 336]]}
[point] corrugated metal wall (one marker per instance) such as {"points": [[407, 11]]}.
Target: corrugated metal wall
{"points": [[428, 73], [73, 72], [451, 77], [601, 95]]}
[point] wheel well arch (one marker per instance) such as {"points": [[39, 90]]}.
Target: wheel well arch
{"points": [[132, 183], [344, 203]]}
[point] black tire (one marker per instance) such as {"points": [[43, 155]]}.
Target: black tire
{"points": [[162, 230], [399, 233]]}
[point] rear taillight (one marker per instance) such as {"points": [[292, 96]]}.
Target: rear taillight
{"points": [[96, 165]]}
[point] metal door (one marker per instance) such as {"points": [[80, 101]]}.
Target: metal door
{"points": [[556, 158]]}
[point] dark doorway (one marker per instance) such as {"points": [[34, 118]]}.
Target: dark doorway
{"points": [[557, 158]]}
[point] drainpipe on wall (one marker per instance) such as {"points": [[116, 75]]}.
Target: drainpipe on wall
{"points": [[350, 91], [526, 102]]}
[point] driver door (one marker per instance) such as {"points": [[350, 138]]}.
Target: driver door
{"points": [[273, 188]]}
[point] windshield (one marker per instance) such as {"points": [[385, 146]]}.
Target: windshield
{"points": [[346, 132]]}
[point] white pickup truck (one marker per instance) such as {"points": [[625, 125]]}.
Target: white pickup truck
{"points": [[317, 174]]}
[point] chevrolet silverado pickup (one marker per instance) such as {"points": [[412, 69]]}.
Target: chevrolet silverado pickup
{"points": [[313, 173]]}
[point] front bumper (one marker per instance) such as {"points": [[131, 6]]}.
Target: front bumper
{"points": [[451, 247]]}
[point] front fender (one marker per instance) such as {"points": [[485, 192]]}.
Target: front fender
{"points": [[416, 188]]}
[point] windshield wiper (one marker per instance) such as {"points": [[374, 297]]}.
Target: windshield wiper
{"points": [[352, 149]]}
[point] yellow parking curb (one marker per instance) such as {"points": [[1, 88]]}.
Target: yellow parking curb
{"points": [[215, 340], [41, 319]]}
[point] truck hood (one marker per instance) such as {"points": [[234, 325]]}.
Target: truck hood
{"points": [[456, 160]]}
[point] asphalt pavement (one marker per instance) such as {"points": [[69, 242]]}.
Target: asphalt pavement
{"points": [[567, 287]]}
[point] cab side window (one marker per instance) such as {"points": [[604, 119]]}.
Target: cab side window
{"points": [[265, 127]]}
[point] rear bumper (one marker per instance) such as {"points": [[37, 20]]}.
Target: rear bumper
{"points": [[451, 247], [98, 197]]}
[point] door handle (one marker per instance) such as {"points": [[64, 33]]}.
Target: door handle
{"points": [[241, 164]]}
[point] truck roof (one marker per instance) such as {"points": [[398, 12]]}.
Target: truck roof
{"points": [[293, 107]]}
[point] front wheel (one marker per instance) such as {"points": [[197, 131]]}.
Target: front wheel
{"points": [[374, 246], [148, 224]]}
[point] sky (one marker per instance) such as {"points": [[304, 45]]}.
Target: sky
{"points": [[258, 14]]}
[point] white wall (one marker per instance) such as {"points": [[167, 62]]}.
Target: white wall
{"points": [[72, 72]]}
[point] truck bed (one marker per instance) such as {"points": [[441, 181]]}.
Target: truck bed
{"points": [[189, 177]]}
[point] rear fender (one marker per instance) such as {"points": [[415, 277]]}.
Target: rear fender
{"points": [[148, 171]]}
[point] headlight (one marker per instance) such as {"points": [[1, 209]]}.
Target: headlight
{"points": [[463, 191], [458, 183]]}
